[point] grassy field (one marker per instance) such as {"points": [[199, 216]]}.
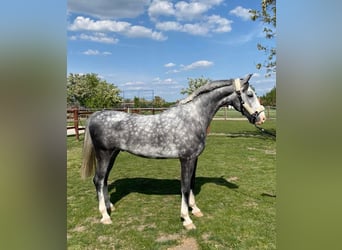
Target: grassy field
{"points": [[235, 190]]}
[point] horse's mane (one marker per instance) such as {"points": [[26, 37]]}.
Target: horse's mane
{"points": [[206, 88]]}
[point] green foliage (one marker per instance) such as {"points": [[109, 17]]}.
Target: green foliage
{"points": [[193, 84], [91, 91], [270, 98], [157, 102], [137, 103], [267, 15]]}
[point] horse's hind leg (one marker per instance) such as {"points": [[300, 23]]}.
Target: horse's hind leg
{"points": [[194, 209], [105, 161], [109, 205]]}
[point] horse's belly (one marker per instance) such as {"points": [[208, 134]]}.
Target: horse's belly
{"points": [[150, 151]]}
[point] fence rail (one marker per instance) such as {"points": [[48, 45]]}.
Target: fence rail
{"points": [[227, 113], [76, 118]]}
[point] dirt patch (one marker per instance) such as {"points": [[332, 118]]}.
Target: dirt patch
{"points": [[143, 227], [206, 237], [187, 244], [232, 179], [270, 152], [103, 239], [250, 204], [79, 229], [92, 220], [164, 238]]}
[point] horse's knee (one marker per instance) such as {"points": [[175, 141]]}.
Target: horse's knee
{"points": [[97, 180]]}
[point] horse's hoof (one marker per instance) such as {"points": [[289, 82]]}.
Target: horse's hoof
{"points": [[106, 221], [190, 226], [198, 214]]}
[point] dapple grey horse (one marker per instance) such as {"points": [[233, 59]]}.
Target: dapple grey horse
{"points": [[179, 132]]}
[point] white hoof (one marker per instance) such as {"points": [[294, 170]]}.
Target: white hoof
{"points": [[190, 226], [106, 221], [198, 214]]}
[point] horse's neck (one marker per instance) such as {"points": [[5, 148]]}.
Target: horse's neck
{"points": [[208, 103]]}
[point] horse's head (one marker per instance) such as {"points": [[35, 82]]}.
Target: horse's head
{"points": [[247, 102]]}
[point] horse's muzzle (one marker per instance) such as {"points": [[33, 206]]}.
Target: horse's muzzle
{"points": [[261, 118]]}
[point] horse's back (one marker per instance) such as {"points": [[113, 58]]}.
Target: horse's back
{"points": [[103, 124]]}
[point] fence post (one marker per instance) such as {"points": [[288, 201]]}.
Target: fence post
{"points": [[76, 123], [225, 112]]}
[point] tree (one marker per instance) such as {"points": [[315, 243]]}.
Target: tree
{"points": [[158, 102], [267, 15], [136, 101], [91, 91], [194, 84], [270, 98]]}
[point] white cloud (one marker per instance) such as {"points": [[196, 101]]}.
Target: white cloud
{"points": [[174, 71], [141, 31], [96, 37], [160, 8], [190, 11], [167, 81], [181, 10], [198, 64], [209, 25], [134, 85], [91, 52], [219, 24], [124, 28], [241, 12], [189, 17], [196, 29], [169, 65], [109, 8], [85, 23], [192, 66], [169, 26]]}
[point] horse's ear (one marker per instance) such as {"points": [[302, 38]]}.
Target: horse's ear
{"points": [[244, 81]]}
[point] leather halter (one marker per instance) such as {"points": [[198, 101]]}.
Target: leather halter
{"points": [[244, 106]]}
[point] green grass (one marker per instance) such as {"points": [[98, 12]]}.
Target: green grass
{"points": [[234, 184]]}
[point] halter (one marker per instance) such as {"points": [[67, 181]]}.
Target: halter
{"points": [[244, 106]]}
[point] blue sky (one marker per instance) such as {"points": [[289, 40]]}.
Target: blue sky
{"points": [[148, 47]]}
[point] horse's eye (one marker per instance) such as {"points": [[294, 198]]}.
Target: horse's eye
{"points": [[250, 93]]}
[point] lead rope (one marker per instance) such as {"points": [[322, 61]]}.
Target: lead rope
{"points": [[265, 131]]}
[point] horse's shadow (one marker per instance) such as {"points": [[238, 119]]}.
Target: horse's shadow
{"points": [[124, 187]]}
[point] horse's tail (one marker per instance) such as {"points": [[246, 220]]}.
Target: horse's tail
{"points": [[89, 162]]}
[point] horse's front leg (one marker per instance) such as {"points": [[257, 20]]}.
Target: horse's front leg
{"points": [[194, 209], [187, 168]]}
